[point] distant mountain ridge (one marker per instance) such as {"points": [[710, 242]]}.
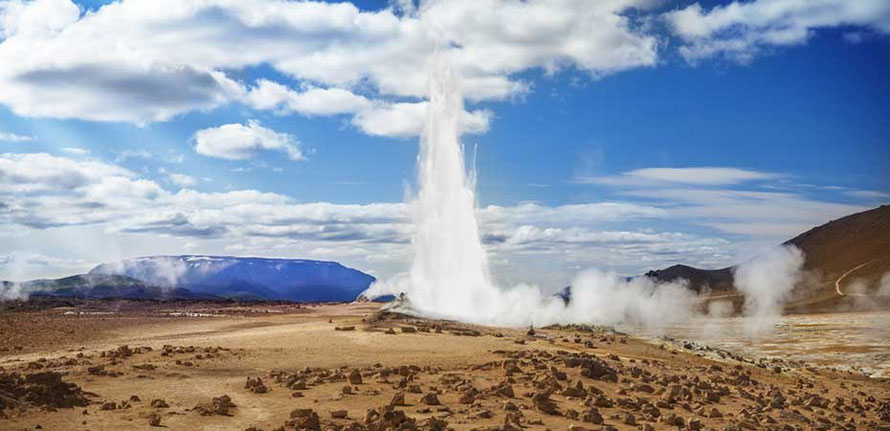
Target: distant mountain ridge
{"points": [[104, 286], [699, 279], [246, 277]]}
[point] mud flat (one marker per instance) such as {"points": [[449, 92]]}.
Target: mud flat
{"points": [[855, 341], [349, 367]]}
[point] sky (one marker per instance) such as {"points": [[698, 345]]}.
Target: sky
{"points": [[624, 135]]}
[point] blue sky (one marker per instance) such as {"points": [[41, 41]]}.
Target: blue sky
{"points": [[768, 124]]}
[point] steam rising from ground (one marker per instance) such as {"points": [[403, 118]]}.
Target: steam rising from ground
{"points": [[449, 276], [13, 290], [767, 282]]}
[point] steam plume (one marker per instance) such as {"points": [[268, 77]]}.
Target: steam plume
{"points": [[449, 276], [767, 282], [14, 290]]}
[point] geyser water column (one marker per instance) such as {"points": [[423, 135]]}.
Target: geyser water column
{"points": [[449, 275]]}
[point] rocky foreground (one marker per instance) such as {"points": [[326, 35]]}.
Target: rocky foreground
{"points": [[349, 367]]}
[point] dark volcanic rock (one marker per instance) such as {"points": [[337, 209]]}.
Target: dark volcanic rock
{"points": [[39, 389]]}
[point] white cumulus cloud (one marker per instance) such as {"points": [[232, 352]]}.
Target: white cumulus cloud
{"points": [[13, 137], [703, 176], [241, 142], [740, 30]]}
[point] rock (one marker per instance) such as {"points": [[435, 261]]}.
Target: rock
{"points": [[256, 385], [430, 399], [217, 406], [159, 403], [434, 424], [304, 419], [592, 415], [108, 405], [339, 414], [154, 420], [355, 377], [409, 329], [504, 390], [629, 419], [602, 401], [45, 388], [644, 388], [672, 420], [544, 403], [398, 399]]}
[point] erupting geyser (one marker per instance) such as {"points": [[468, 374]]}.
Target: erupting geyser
{"points": [[449, 275], [450, 269]]}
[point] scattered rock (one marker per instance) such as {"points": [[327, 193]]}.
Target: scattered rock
{"points": [[256, 385], [430, 399], [218, 406], [398, 399], [304, 419], [355, 377], [44, 389]]}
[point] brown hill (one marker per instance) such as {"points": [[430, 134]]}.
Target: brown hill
{"points": [[839, 245], [716, 280], [845, 262]]}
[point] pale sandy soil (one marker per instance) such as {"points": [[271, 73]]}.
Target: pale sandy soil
{"points": [[261, 344]]}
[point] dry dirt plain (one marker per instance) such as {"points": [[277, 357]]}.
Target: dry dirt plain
{"points": [[350, 367]]}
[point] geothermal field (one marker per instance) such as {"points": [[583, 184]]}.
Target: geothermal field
{"points": [[267, 215], [446, 348]]}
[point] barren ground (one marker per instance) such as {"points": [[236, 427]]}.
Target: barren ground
{"points": [[449, 375]]}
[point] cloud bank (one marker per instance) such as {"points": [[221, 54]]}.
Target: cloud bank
{"points": [[47, 197], [147, 61]]}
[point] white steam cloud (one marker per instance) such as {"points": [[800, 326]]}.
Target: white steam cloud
{"points": [[11, 290], [14, 290], [450, 277], [163, 271], [767, 282], [884, 287], [596, 297]]}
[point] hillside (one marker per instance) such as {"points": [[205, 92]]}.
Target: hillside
{"points": [[699, 279], [246, 277], [842, 244], [105, 286], [854, 249]]}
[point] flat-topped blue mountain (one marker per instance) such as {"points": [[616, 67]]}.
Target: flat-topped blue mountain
{"points": [[246, 277]]}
